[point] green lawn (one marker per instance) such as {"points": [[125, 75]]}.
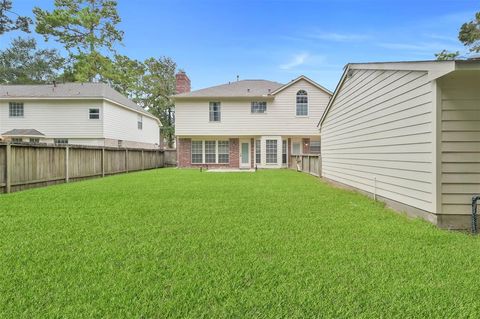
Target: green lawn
{"points": [[271, 244]]}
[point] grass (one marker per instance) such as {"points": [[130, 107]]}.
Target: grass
{"points": [[271, 244]]}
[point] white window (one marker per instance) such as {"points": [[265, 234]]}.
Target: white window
{"points": [[258, 155], [302, 103], [214, 111], [271, 151], [17, 140], [34, 140], [296, 149], [259, 107], [140, 122], [60, 141], [94, 114], [197, 152], [315, 147], [210, 152], [15, 109], [223, 152]]}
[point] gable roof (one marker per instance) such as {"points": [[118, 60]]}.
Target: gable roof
{"points": [[23, 132], [69, 91], [302, 77], [435, 68], [243, 88]]}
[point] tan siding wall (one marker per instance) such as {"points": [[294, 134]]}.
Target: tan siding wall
{"points": [[192, 117], [121, 124], [460, 148], [380, 128], [66, 119]]}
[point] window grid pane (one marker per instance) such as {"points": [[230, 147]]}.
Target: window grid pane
{"points": [[315, 147], [223, 152], [15, 109], [214, 111], [197, 152], [258, 156], [302, 103], [284, 152], [94, 114], [210, 152], [271, 151], [259, 107]]}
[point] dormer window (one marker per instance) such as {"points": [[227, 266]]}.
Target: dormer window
{"points": [[259, 107], [302, 103]]}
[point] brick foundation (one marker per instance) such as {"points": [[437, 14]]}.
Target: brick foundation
{"points": [[184, 154]]}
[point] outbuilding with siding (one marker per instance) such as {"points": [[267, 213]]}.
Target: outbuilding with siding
{"points": [[409, 134]]}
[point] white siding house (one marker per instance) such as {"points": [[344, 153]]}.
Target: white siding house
{"points": [[407, 133], [75, 113], [262, 122]]}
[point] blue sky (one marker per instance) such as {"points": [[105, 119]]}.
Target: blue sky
{"points": [[216, 40]]}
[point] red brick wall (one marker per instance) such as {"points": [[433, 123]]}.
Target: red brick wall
{"points": [[306, 145], [234, 153], [183, 82], [184, 154]]}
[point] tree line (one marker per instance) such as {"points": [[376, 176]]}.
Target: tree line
{"points": [[89, 32]]}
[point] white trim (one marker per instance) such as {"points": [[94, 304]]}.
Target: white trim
{"points": [[248, 164], [301, 77]]}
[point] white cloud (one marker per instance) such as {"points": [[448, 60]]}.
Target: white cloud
{"points": [[297, 60], [340, 37]]}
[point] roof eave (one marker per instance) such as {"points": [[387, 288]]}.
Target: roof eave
{"points": [[223, 98], [302, 77]]}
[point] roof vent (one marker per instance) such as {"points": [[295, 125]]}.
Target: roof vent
{"points": [[269, 90], [238, 78], [248, 90]]}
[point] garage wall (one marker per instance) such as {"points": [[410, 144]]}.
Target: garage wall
{"points": [[460, 147], [379, 128]]}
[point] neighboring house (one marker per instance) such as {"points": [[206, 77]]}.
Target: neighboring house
{"points": [[249, 123], [75, 113], [408, 132]]}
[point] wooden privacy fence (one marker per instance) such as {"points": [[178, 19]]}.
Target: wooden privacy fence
{"points": [[25, 166], [308, 163]]}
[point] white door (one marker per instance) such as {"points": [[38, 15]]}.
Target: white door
{"points": [[244, 153]]}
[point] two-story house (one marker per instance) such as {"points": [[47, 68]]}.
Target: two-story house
{"points": [[75, 113], [248, 123]]}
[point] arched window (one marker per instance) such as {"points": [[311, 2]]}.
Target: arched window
{"points": [[302, 103]]}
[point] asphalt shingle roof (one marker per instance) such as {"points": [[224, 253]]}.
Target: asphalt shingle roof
{"points": [[23, 132], [68, 90], [243, 88]]}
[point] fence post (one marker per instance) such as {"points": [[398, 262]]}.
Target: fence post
{"points": [[8, 165], [103, 161], [319, 165], [126, 160], [66, 164]]}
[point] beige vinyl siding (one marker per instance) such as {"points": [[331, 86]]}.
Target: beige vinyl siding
{"points": [[460, 147], [191, 117], [380, 128], [55, 118], [121, 124]]}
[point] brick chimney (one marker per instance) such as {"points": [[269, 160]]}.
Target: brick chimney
{"points": [[183, 82]]}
